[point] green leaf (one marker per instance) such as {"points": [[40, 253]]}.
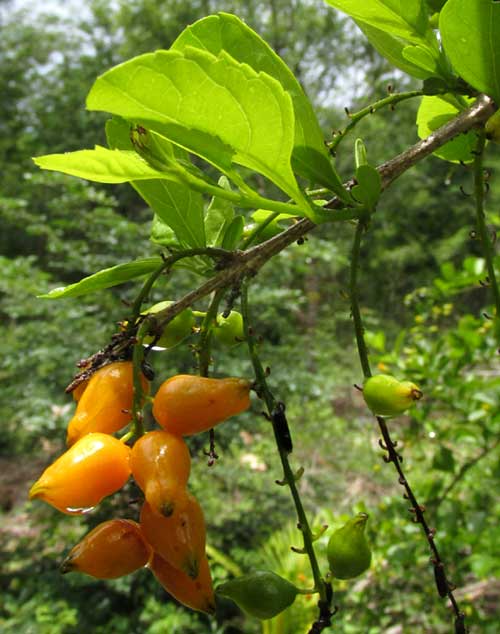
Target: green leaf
{"points": [[406, 19], [174, 203], [433, 113], [219, 215], [421, 57], [102, 165], [470, 31], [225, 32], [164, 235], [233, 233], [369, 185], [391, 47], [195, 98], [106, 278], [444, 460]]}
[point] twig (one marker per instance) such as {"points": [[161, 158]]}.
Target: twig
{"points": [[356, 117], [481, 225], [284, 445], [444, 587]]}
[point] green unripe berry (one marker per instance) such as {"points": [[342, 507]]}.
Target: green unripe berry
{"points": [[386, 396], [262, 594], [176, 330], [348, 552], [229, 330], [492, 127]]}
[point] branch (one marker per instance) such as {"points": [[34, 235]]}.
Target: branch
{"points": [[241, 264], [248, 262]]}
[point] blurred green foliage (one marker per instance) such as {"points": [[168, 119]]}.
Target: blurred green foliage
{"points": [[422, 305]]}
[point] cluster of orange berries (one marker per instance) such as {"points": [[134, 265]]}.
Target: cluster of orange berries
{"points": [[170, 535]]}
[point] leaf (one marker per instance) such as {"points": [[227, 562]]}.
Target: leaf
{"points": [[175, 204], [470, 31], [421, 57], [225, 32], [106, 278], [219, 215], [101, 165], [212, 106], [433, 113], [233, 233], [369, 186], [406, 19], [391, 47]]}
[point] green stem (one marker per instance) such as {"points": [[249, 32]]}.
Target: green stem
{"points": [[481, 222], [204, 349], [353, 292], [137, 428], [289, 477], [417, 510], [258, 230], [377, 105]]}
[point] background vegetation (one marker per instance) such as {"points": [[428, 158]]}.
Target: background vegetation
{"points": [[421, 299]]}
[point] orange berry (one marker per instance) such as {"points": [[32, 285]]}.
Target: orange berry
{"points": [[160, 463], [96, 466], [112, 549], [188, 404], [196, 594], [106, 403], [180, 538]]}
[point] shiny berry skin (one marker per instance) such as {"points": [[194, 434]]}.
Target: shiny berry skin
{"points": [[189, 404], [112, 549]]}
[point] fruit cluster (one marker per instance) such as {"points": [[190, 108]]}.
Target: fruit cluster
{"points": [[170, 535]]}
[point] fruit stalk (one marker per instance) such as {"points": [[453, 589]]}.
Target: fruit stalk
{"points": [[322, 587], [482, 230], [386, 442]]}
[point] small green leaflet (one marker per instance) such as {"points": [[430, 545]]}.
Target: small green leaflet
{"points": [[219, 215], [101, 165], [436, 111], [106, 278], [391, 47], [175, 204], [471, 38], [226, 32], [248, 115], [400, 31]]}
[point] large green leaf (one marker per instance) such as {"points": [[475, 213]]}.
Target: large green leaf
{"points": [[225, 32], [102, 165], [195, 95], [178, 206], [471, 38], [436, 111], [106, 278]]}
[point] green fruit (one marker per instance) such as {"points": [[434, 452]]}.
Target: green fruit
{"points": [[262, 593], [386, 396], [176, 330], [229, 330], [348, 552], [492, 127]]}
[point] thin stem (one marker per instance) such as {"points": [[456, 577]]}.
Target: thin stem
{"points": [[355, 118], [481, 223], [258, 229], [355, 309], [320, 585], [137, 426], [204, 353], [444, 586]]}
